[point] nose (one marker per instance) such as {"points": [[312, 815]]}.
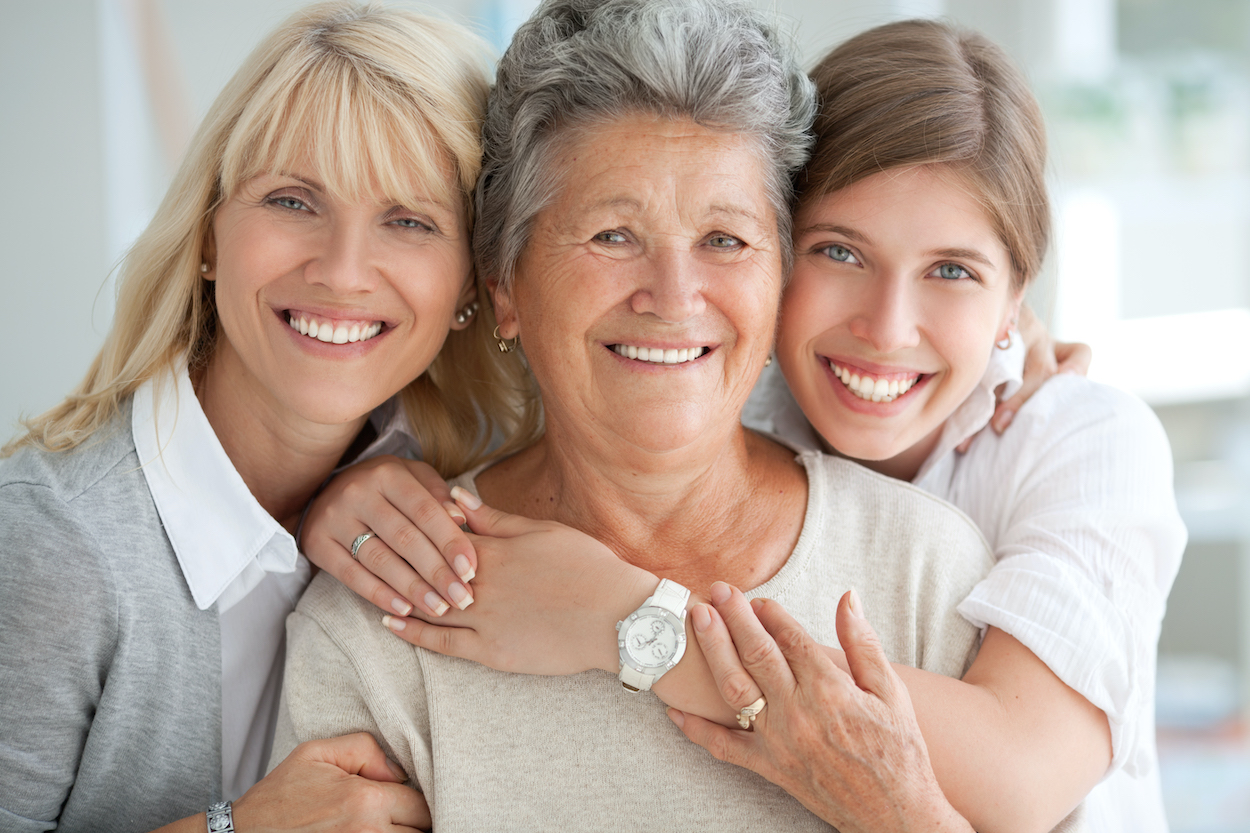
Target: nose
{"points": [[345, 264], [887, 317], [671, 286]]}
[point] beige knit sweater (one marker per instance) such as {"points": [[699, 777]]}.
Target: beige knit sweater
{"points": [[495, 751]]}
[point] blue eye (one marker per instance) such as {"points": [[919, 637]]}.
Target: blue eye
{"points": [[840, 253], [951, 272], [293, 203], [411, 222]]}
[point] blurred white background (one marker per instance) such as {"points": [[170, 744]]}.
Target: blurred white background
{"points": [[1148, 107]]}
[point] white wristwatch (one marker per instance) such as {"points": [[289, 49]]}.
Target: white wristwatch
{"points": [[652, 639]]}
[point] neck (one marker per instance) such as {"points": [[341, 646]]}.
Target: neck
{"points": [[689, 513], [281, 457], [904, 466]]}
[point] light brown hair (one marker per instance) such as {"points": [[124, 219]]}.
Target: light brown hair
{"points": [[375, 98], [922, 92]]}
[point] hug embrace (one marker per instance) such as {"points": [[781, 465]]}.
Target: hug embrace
{"points": [[625, 609]]}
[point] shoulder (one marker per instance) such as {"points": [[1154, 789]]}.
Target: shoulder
{"points": [[68, 474], [848, 488], [1070, 407]]}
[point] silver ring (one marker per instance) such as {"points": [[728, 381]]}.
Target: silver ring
{"points": [[746, 716], [360, 539]]}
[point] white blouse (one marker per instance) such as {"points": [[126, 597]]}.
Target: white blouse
{"points": [[234, 555], [1076, 501]]}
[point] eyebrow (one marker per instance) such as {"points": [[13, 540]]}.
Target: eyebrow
{"points": [[631, 204], [858, 237]]}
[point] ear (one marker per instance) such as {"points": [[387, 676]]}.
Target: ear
{"points": [[208, 255], [468, 294], [1011, 314], [505, 311]]}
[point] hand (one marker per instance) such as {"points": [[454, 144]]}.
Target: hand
{"points": [[338, 784], [1045, 358], [408, 508], [845, 745], [547, 598]]}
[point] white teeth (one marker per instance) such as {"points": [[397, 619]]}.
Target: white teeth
{"points": [[325, 331], [873, 390], [659, 355]]}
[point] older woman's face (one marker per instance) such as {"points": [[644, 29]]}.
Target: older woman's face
{"points": [[647, 297]]}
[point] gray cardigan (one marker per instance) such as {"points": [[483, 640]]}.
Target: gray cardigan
{"points": [[110, 676]]}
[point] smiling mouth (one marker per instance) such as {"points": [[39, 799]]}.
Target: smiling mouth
{"points": [[660, 355], [874, 388], [332, 331]]}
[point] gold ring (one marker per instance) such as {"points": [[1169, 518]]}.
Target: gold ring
{"points": [[746, 717]]}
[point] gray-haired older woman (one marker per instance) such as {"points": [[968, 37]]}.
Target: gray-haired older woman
{"points": [[634, 224]]}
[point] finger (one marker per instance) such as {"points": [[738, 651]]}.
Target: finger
{"points": [[804, 658], [355, 754], [376, 558], [733, 746], [427, 523], [1073, 357], [337, 560], [737, 687], [441, 639], [408, 808], [405, 558], [486, 520], [756, 648], [869, 665]]}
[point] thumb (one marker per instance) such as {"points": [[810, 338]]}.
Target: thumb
{"points": [[864, 654], [486, 520], [357, 754]]}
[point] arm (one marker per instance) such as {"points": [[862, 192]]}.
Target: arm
{"points": [[544, 586]]}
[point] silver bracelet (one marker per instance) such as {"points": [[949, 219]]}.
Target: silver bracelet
{"points": [[221, 818]]}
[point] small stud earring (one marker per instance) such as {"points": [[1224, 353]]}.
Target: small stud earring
{"points": [[505, 345], [470, 309], [203, 268], [768, 361]]}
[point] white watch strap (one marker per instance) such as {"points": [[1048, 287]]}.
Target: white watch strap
{"points": [[671, 596], [635, 679]]}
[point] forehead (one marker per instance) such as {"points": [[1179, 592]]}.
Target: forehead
{"points": [[638, 164], [912, 204]]}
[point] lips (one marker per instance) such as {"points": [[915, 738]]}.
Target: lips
{"points": [[332, 330], [660, 355], [875, 388]]}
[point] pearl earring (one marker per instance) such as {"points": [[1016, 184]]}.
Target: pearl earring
{"points": [[468, 312]]}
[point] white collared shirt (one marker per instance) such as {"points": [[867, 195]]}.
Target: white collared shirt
{"points": [[1076, 501], [234, 555]]}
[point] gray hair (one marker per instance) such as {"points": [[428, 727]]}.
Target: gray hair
{"points": [[579, 63]]}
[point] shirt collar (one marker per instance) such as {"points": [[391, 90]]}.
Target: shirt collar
{"points": [[1006, 368], [215, 525]]}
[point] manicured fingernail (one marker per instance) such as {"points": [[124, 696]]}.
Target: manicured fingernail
{"points": [[459, 595], [394, 624], [857, 606], [720, 592], [756, 604], [435, 603], [463, 568], [700, 617], [466, 497], [1004, 419], [677, 717], [396, 770], [456, 514], [401, 606]]}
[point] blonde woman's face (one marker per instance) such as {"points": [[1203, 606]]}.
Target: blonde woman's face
{"points": [[328, 307], [900, 289]]}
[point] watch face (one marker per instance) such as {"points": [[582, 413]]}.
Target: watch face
{"points": [[650, 641]]}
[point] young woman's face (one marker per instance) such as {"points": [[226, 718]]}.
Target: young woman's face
{"points": [[327, 306], [900, 290]]}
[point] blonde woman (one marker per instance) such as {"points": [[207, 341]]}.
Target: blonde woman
{"points": [[285, 309]]}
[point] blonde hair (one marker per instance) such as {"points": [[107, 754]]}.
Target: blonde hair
{"points": [[374, 98], [922, 92]]}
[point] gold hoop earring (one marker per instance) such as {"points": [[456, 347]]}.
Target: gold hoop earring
{"points": [[505, 345]]}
